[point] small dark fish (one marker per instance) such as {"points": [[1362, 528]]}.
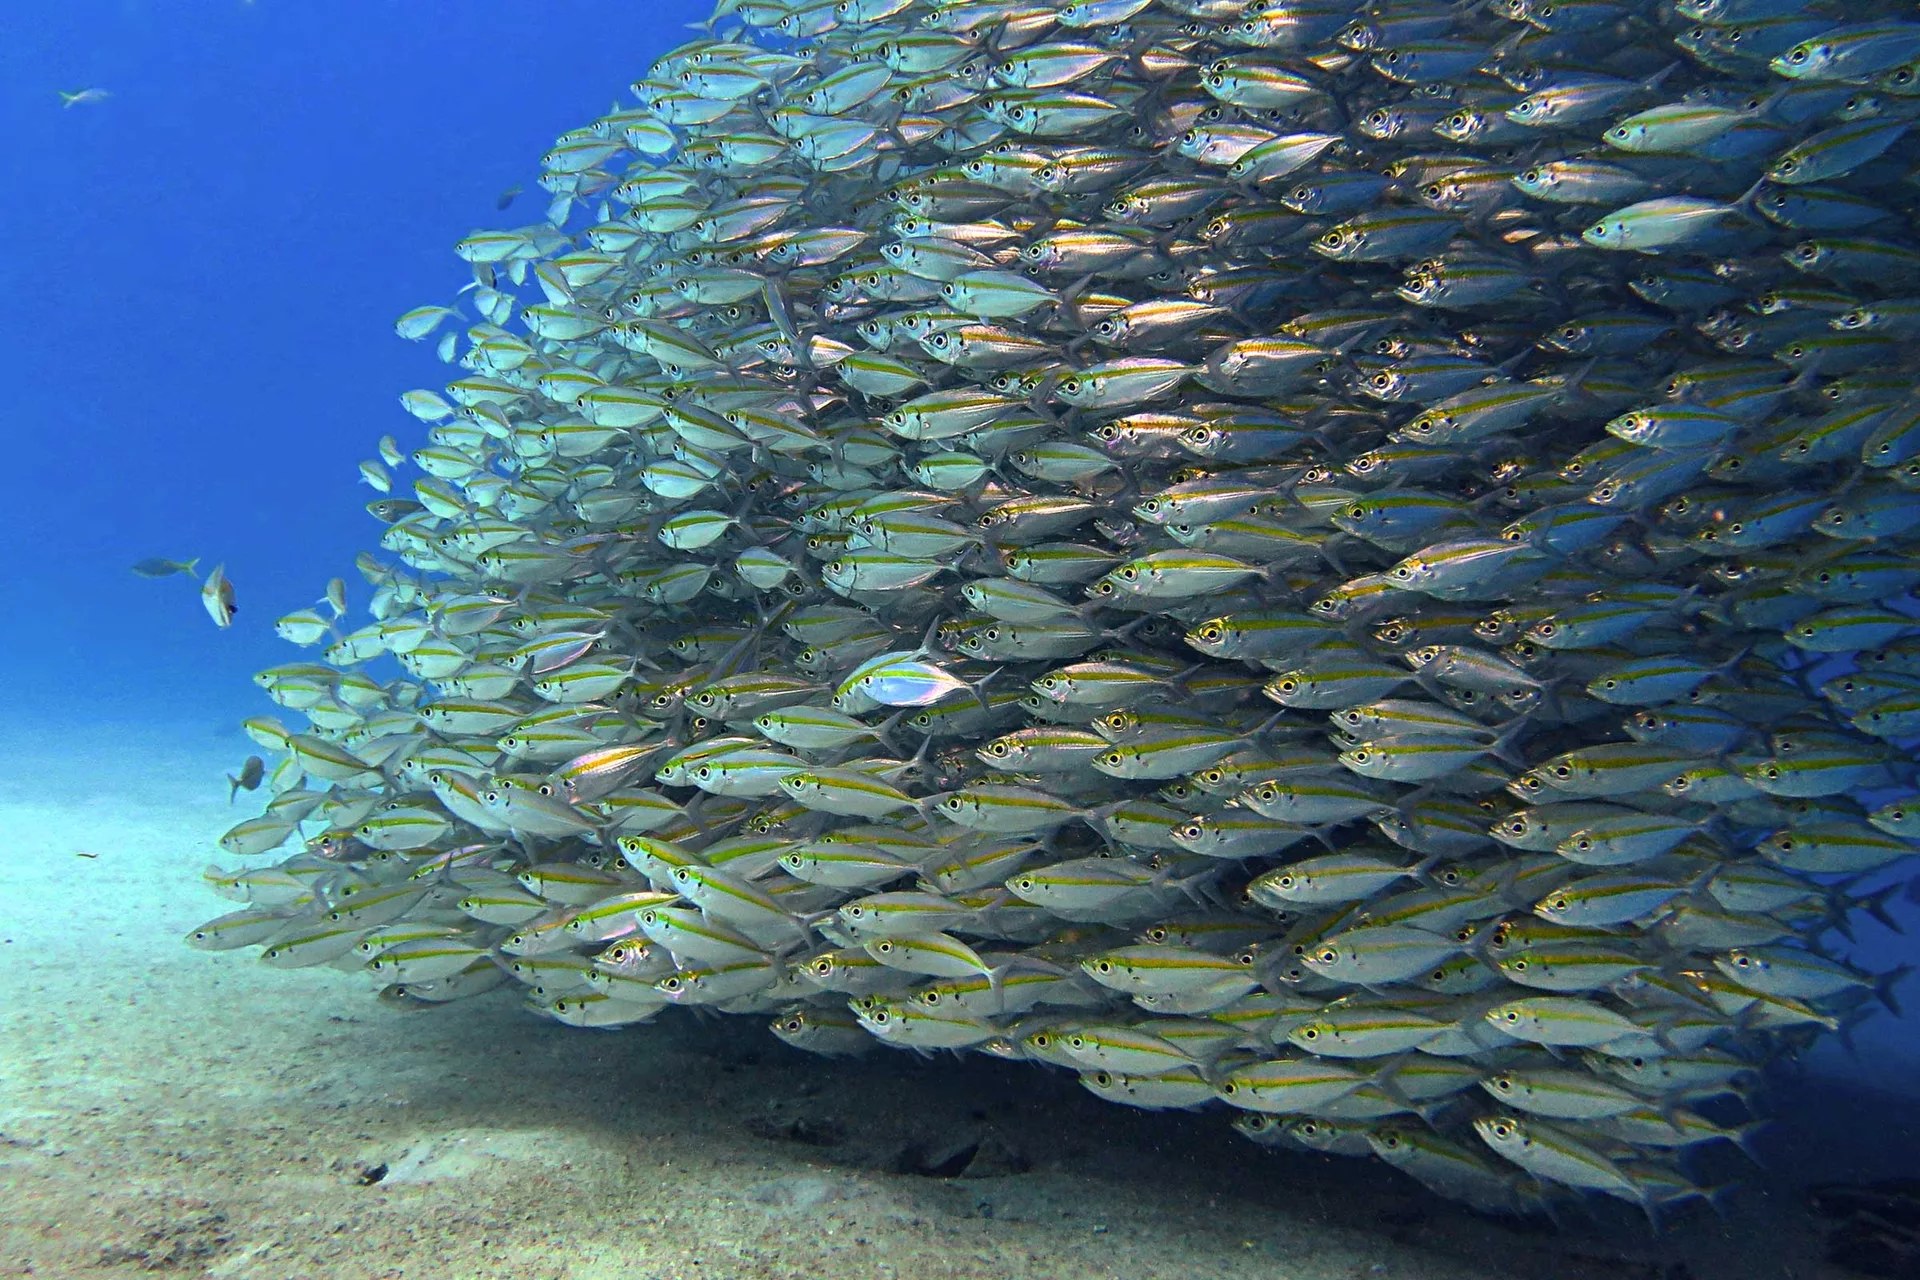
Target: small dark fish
{"points": [[161, 567], [507, 197], [249, 777]]}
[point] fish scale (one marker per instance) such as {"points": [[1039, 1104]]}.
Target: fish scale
{"points": [[1246, 324]]}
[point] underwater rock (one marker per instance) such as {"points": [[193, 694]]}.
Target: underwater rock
{"points": [[1876, 1229]]}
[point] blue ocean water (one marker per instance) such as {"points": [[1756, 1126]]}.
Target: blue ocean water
{"points": [[204, 272], [201, 272]]}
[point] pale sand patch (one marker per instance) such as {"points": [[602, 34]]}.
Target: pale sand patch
{"points": [[173, 1112]]}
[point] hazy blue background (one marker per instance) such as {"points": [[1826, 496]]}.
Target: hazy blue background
{"points": [[200, 276]]}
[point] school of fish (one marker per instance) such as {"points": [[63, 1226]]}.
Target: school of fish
{"points": [[1347, 564]]}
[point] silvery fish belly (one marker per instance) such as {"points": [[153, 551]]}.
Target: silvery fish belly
{"points": [[1345, 564]]}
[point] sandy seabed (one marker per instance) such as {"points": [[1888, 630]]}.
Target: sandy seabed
{"points": [[169, 1112]]}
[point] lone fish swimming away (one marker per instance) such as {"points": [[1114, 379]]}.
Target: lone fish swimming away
{"points": [[160, 567]]}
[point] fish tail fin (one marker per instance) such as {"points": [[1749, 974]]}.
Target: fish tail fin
{"points": [[927, 648], [1835, 918], [1267, 726], [1178, 680], [1715, 1197], [1478, 945], [977, 547], [1662, 1031], [996, 975], [808, 921], [1095, 818], [1884, 984], [1332, 557], [928, 807], [1070, 295], [883, 732], [1503, 748], [1326, 841], [1651, 1207], [918, 762], [1844, 1033], [1745, 205], [1075, 346], [978, 689], [1384, 1080], [1875, 904], [1742, 1137]]}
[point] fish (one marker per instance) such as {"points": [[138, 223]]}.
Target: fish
{"points": [[216, 593], [83, 97], [1121, 534], [160, 567], [252, 770]]}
